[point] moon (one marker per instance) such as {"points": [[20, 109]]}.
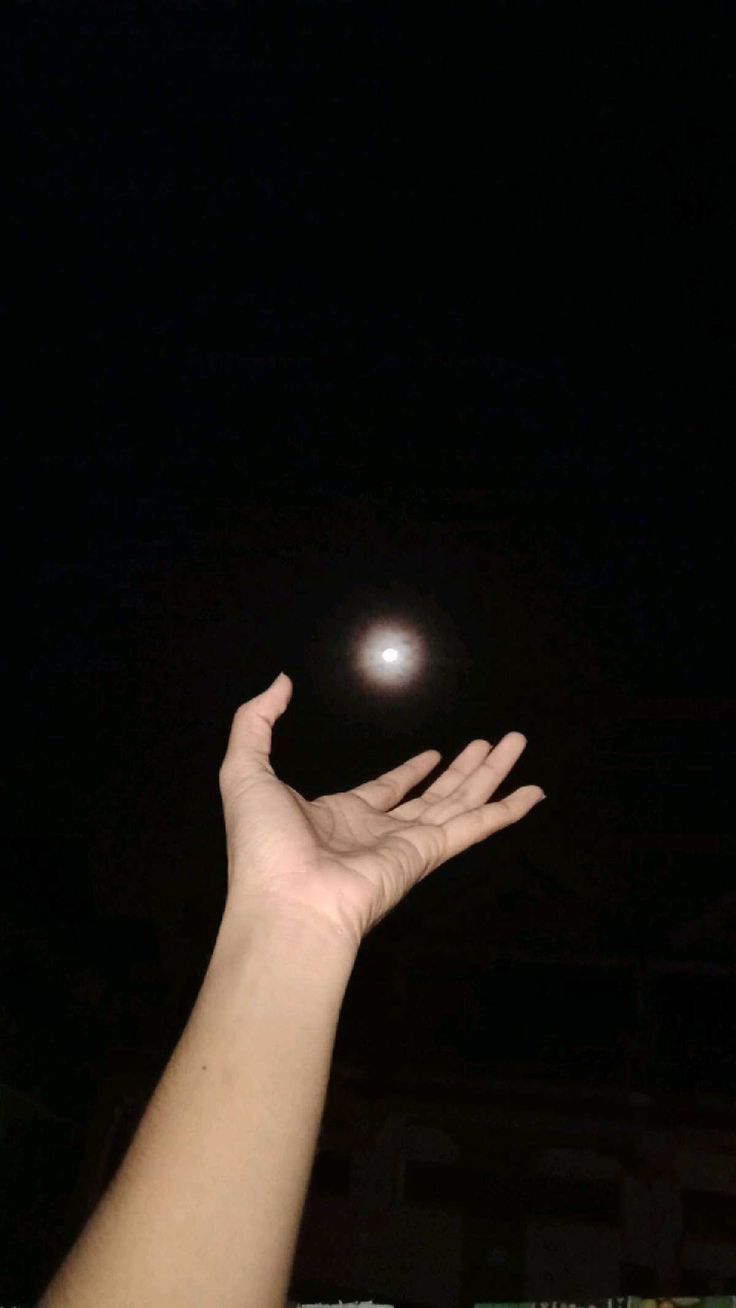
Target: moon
{"points": [[389, 654]]}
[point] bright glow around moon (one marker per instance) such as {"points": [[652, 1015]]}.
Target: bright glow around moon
{"points": [[389, 654]]}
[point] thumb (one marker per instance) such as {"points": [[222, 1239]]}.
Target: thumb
{"points": [[250, 735]]}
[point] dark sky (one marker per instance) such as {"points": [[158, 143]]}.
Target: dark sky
{"points": [[321, 310]]}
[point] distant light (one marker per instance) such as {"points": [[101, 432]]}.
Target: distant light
{"points": [[389, 653]]}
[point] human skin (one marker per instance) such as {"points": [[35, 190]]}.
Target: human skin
{"points": [[206, 1205]]}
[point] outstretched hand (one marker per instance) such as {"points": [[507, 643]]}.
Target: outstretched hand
{"points": [[344, 861]]}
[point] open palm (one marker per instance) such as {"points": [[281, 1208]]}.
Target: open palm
{"points": [[345, 860]]}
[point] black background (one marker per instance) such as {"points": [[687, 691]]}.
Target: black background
{"points": [[318, 309]]}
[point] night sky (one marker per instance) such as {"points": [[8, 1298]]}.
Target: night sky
{"points": [[319, 313]]}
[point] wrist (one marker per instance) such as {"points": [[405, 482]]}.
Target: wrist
{"points": [[289, 938]]}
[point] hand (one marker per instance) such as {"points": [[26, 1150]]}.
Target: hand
{"points": [[344, 861]]}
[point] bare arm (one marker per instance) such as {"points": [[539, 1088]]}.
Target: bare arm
{"points": [[206, 1206]]}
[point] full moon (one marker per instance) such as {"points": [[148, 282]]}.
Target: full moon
{"points": [[388, 654]]}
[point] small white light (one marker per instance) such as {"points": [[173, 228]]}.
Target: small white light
{"points": [[388, 654]]}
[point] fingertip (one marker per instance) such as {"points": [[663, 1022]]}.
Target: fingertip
{"points": [[516, 738], [284, 678]]}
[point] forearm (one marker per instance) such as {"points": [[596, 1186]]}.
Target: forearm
{"points": [[206, 1206]]}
